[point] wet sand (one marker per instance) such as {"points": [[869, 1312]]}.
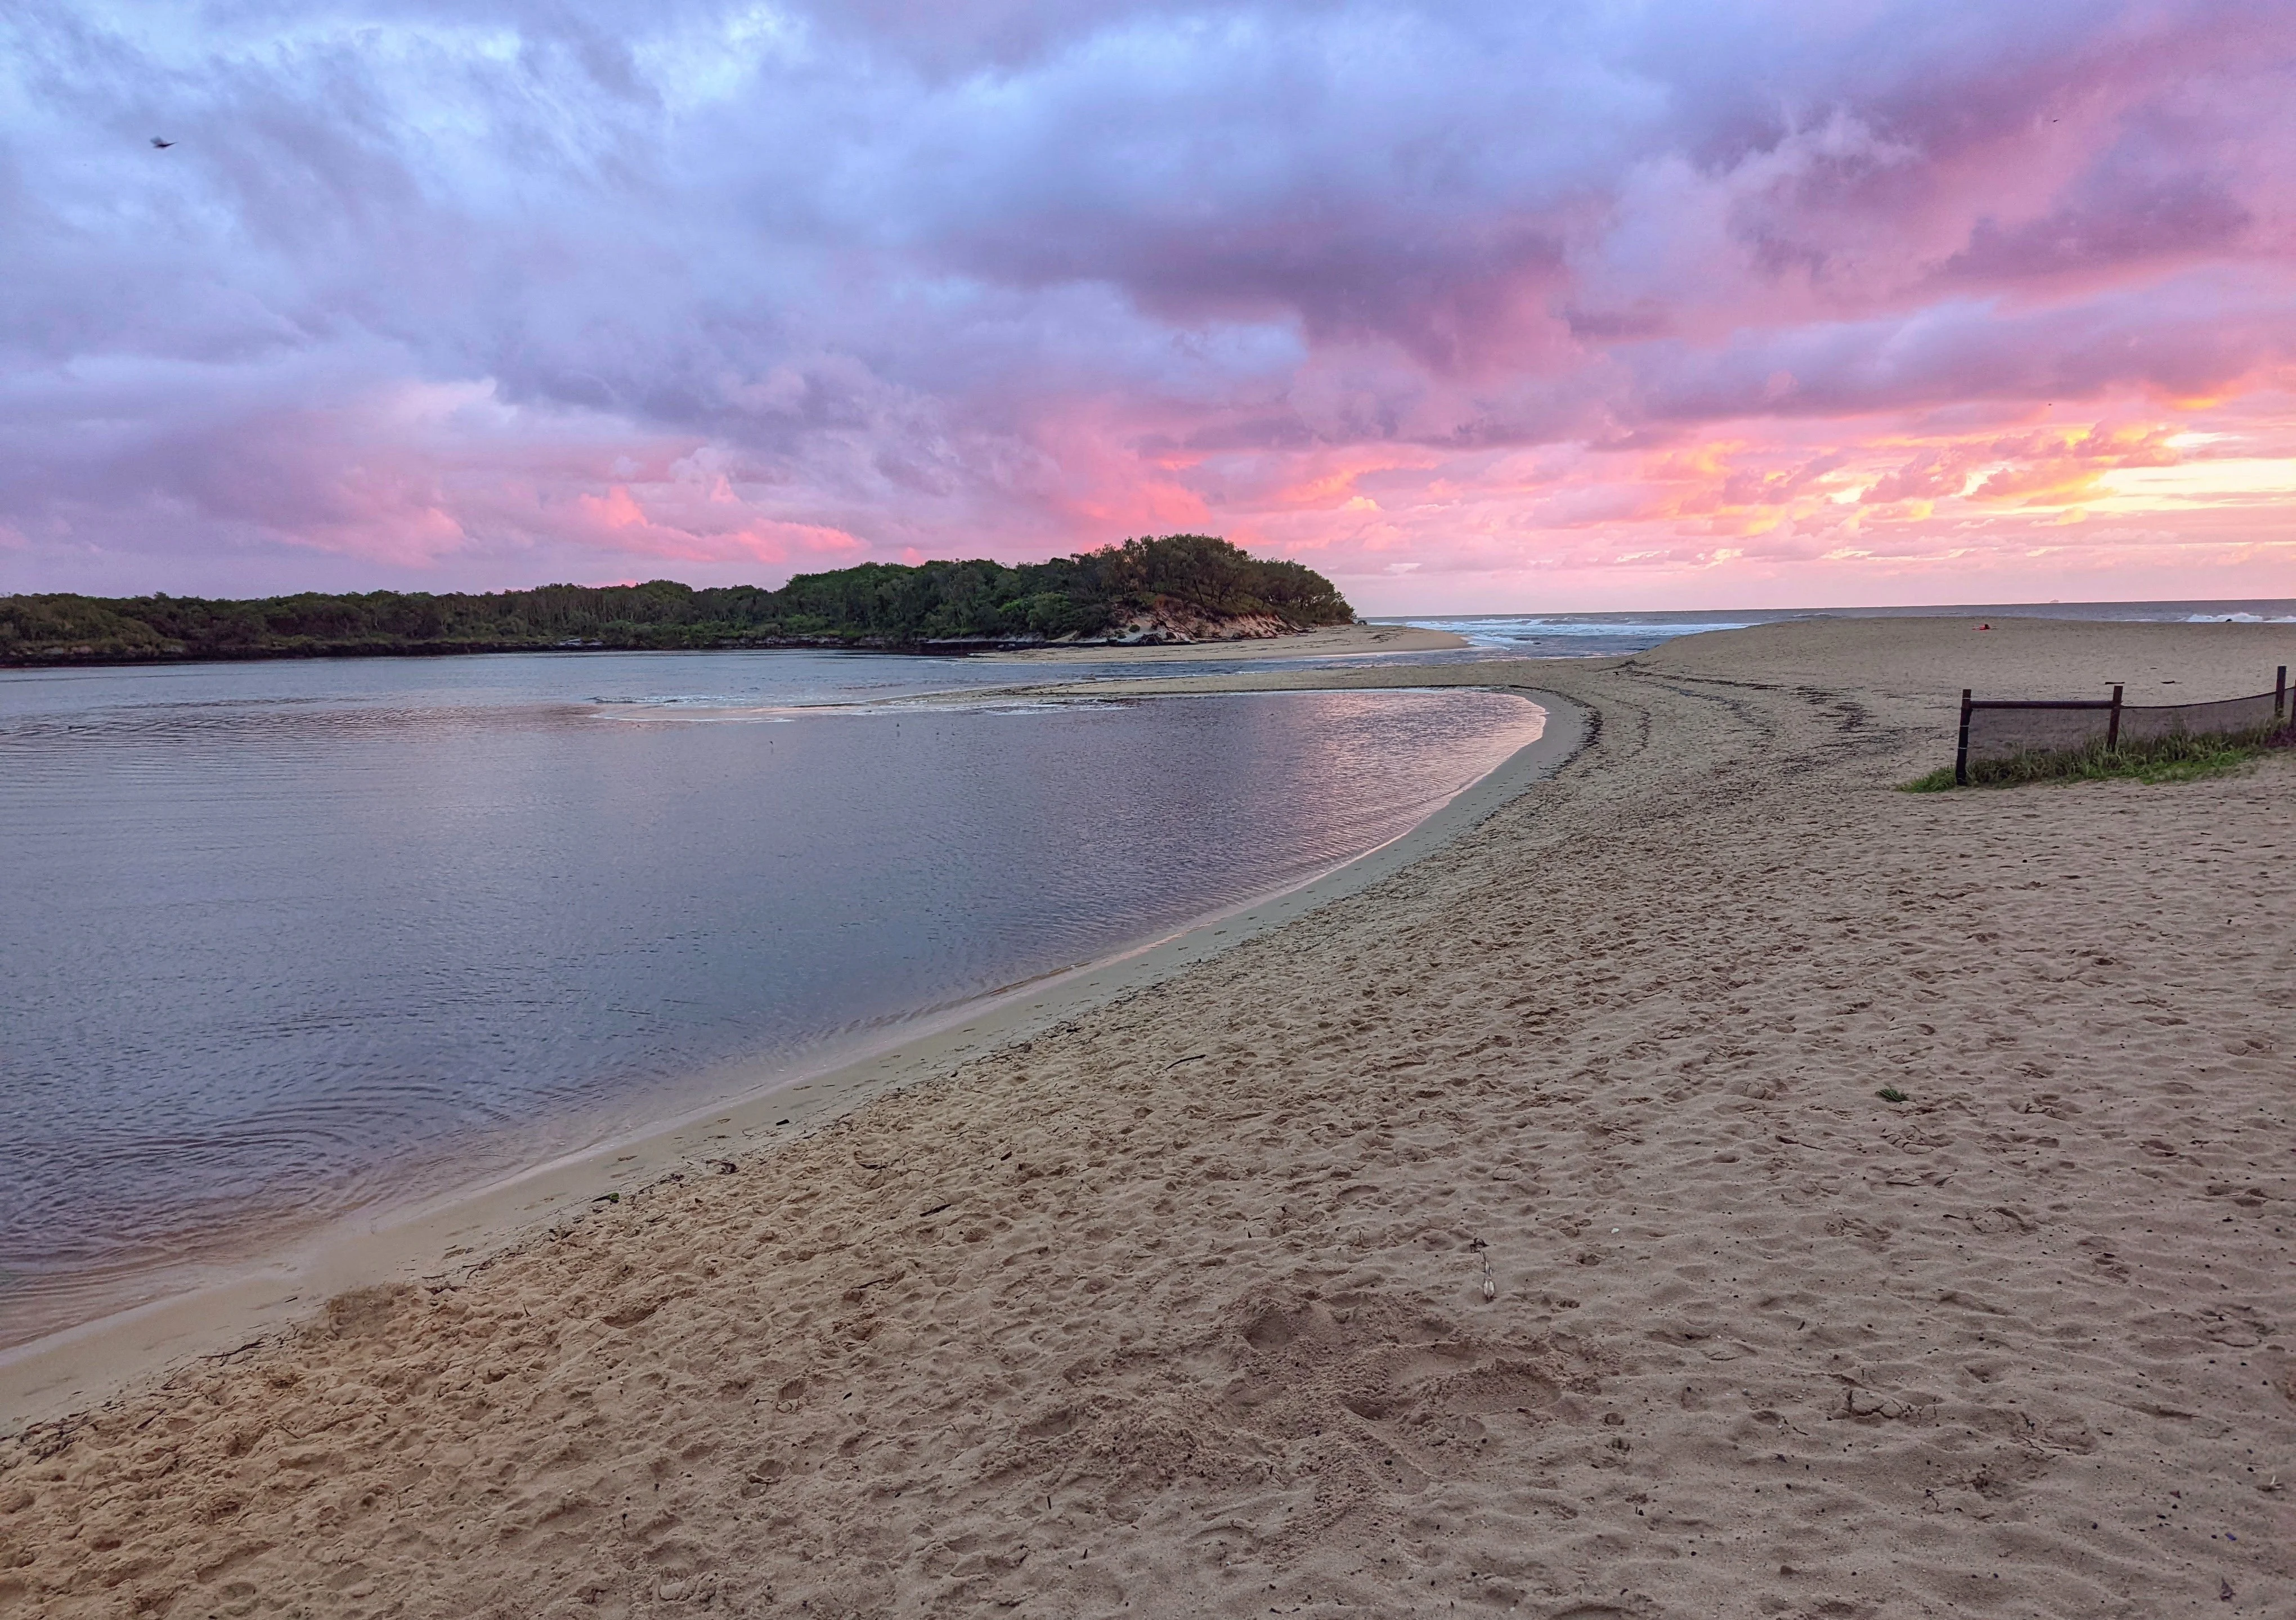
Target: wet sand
{"points": [[1337, 641], [1521, 1230]]}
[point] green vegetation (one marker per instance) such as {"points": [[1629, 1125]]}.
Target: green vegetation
{"points": [[1891, 1094], [2161, 759], [1178, 578]]}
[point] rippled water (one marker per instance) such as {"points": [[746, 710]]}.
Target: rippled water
{"points": [[283, 941], [1581, 635]]}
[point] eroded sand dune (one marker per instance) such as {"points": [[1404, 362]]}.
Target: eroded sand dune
{"points": [[1524, 1234]]}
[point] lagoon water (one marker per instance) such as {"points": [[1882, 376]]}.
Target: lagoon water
{"points": [[285, 941]]}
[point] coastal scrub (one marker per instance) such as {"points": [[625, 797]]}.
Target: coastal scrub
{"points": [[2157, 760], [1141, 590]]}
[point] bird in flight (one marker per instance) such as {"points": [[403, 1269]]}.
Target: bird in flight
{"points": [[161, 144]]}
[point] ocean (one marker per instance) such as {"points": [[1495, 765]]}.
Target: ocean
{"points": [[1565, 635]]}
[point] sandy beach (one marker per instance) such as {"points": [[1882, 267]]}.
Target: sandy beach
{"points": [[1336, 641], [1519, 1230]]}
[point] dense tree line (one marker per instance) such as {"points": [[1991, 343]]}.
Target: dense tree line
{"points": [[876, 605]]}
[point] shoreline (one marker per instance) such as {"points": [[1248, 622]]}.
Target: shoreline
{"points": [[449, 1234], [1338, 641]]}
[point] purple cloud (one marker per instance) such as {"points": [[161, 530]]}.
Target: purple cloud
{"points": [[432, 294]]}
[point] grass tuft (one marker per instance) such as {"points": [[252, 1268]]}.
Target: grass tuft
{"points": [[1891, 1094], [2161, 759]]}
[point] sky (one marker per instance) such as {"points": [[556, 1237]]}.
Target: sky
{"points": [[1472, 307]]}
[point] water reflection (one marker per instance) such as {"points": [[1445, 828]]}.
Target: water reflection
{"points": [[285, 942]]}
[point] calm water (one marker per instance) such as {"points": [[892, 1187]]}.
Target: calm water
{"points": [[285, 940]]}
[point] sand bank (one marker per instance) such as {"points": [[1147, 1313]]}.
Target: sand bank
{"points": [[1522, 1230], [1338, 641]]}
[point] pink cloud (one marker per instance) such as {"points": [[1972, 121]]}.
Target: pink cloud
{"points": [[1672, 303]]}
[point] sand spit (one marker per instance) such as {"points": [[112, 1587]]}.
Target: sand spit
{"points": [[1337, 641], [1523, 1233]]}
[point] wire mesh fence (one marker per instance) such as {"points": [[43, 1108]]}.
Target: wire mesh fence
{"points": [[2006, 737]]}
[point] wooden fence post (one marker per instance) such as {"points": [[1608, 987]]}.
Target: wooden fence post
{"points": [[2112, 726], [2280, 694], [1960, 749]]}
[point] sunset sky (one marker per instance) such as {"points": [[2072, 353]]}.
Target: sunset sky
{"points": [[1474, 308]]}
